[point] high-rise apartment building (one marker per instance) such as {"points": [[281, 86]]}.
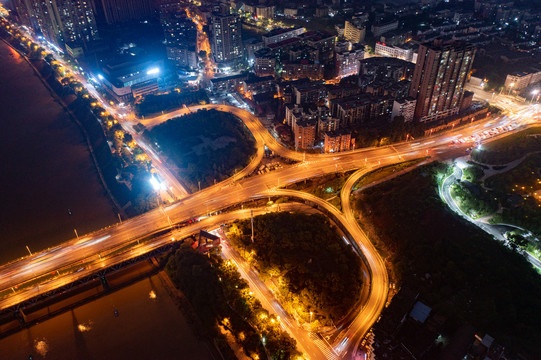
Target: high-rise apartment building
{"points": [[438, 81], [61, 21], [118, 11], [180, 35], [225, 38]]}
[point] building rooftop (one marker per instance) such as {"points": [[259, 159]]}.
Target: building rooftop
{"points": [[420, 312], [279, 31]]}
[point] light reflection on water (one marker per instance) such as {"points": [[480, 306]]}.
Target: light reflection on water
{"points": [[85, 327], [41, 346]]}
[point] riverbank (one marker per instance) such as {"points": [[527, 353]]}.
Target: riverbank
{"points": [[50, 184]]}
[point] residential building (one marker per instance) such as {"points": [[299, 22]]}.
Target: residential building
{"points": [[63, 21], [119, 11], [255, 84], [338, 141], [309, 92], [404, 52], [264, 12], [396, 37], [383, 67], [279, 34], [23, 9], [227, 84], [438, 81], [354, 31], [361, 108], [265, 62], [519, 81], [250, 48], [320, 40], [305, 133], [303, 69], [226, 39], [404, 107], [322, 11], [180, 36], [347, 62], [290, 12], [384, 26]]}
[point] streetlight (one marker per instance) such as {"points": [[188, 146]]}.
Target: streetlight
{"points": [[534, 92], [311, 315], [511, 87]]}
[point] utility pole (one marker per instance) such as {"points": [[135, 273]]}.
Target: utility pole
{"points": [[27, 248], [252, 214], [75, 231], [119, 218]]}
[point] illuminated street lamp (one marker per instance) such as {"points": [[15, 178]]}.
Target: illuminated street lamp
{"points": [[511, 87], [534, 93]]}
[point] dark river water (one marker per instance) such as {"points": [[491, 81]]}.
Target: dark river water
{"points": [[45, 167], [149, 326]]}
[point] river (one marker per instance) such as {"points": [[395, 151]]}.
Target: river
{"points": [[49, 185], [149, 326]]}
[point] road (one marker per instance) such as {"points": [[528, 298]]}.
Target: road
{"points": [[308, 343], [496, 230], [241, 188], [234, 192]]}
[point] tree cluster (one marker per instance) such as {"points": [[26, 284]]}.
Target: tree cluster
{"points": [[314, 269], [178, 137], [460, 271], [222, 298]]}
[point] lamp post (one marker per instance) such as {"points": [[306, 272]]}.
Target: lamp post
{"points": [[534, 93], [511, 87]]}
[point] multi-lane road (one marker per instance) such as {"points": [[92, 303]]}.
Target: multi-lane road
{"points": [[242, 188]]}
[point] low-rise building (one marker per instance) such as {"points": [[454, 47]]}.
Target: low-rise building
{"points": [[309, 92], [256, 84], [227, 84], [404, 107], [361, 108], [338, 141], [280, 34], [291, 12], [382, 27], [124, 73], [347, 62], [305, 133], [396, 37], [404, 52], [354, 30], [303, 69], [265, 62], [519, 81], [264, 12]]}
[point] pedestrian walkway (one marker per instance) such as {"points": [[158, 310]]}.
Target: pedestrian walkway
{"points": [[325, 349]]}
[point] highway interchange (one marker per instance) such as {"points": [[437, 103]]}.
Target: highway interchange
{"points": [[243, 187]]}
